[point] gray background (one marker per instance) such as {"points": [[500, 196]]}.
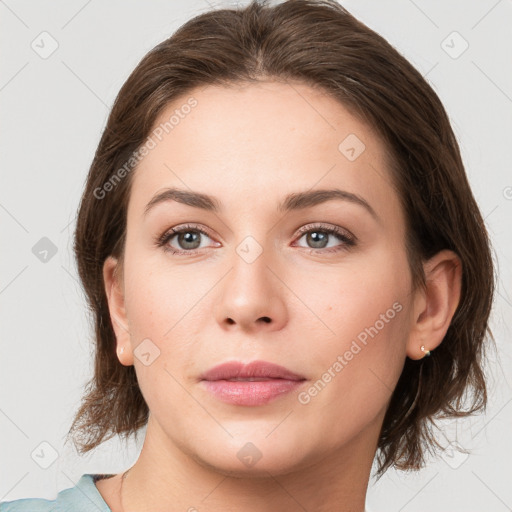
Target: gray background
{"points": [[53, 112]]}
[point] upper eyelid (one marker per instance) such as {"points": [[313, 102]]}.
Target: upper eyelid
{"points": [[320, 226]]}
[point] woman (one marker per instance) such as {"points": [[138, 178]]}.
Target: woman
{"points": [[289, 273]]}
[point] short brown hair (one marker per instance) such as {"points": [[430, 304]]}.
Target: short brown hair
{"points": [[319, 43]]}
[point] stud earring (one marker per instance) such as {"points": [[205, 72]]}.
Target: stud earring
{"points": [[426, 352], [121, 350]]}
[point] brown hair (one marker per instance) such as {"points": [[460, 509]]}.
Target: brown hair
{"points": [[322, 45]]}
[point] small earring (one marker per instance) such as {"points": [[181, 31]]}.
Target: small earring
{"points": [[121, 350], [426, 352]]}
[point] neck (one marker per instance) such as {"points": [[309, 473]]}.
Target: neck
{"points": [[175, 480]]}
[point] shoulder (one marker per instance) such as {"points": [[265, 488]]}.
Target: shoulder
{"points": [[83, 497], [28, 505]]}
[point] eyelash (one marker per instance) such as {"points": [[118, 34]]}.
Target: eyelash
{"points": [[348, 240]]}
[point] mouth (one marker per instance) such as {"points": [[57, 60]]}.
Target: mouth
{"points": [[259, 370], [248, 379], [253, 384]]}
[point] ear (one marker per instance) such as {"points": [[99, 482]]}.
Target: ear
{"points": [[435, 306], [114, 290]]}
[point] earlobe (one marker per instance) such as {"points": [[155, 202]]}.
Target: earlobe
{"points": [[115, 297], [439, 300]]}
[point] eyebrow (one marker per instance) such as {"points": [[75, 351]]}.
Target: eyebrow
{"points": [[294, 201]]}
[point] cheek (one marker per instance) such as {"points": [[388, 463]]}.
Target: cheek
{"points": [[362, 309], [157, 295], [164, 306], [351, 297], [161, 336]]}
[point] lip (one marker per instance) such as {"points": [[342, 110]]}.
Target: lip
{"points": [[267, 382], [261, 369]]}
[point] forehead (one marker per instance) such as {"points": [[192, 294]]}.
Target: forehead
{"points": [[264, 140]]}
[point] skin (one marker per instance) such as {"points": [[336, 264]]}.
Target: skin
{"points": [[249, 146]]}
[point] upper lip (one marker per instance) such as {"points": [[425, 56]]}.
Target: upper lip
{"points": [[254, 369]]}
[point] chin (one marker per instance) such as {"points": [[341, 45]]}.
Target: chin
{"points": [[251, 456]]}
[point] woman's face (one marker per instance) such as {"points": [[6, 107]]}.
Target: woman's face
{"points": [[267, 281]]}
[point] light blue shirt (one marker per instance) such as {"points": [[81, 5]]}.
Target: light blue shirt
{"points": [[83, 497]]}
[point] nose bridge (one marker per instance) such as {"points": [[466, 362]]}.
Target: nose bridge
{"points": [[250, 261], [252, 237]]}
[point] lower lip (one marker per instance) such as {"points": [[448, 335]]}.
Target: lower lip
{"points": [[250, 392]]}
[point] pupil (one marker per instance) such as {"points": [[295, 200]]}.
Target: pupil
{"points": [[318, 239], [188, 238]]}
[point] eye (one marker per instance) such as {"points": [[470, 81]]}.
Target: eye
{"points": [[317, 235], [188, 238]]}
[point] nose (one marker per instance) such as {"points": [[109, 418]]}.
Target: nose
{"points": [[252, 296]]}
